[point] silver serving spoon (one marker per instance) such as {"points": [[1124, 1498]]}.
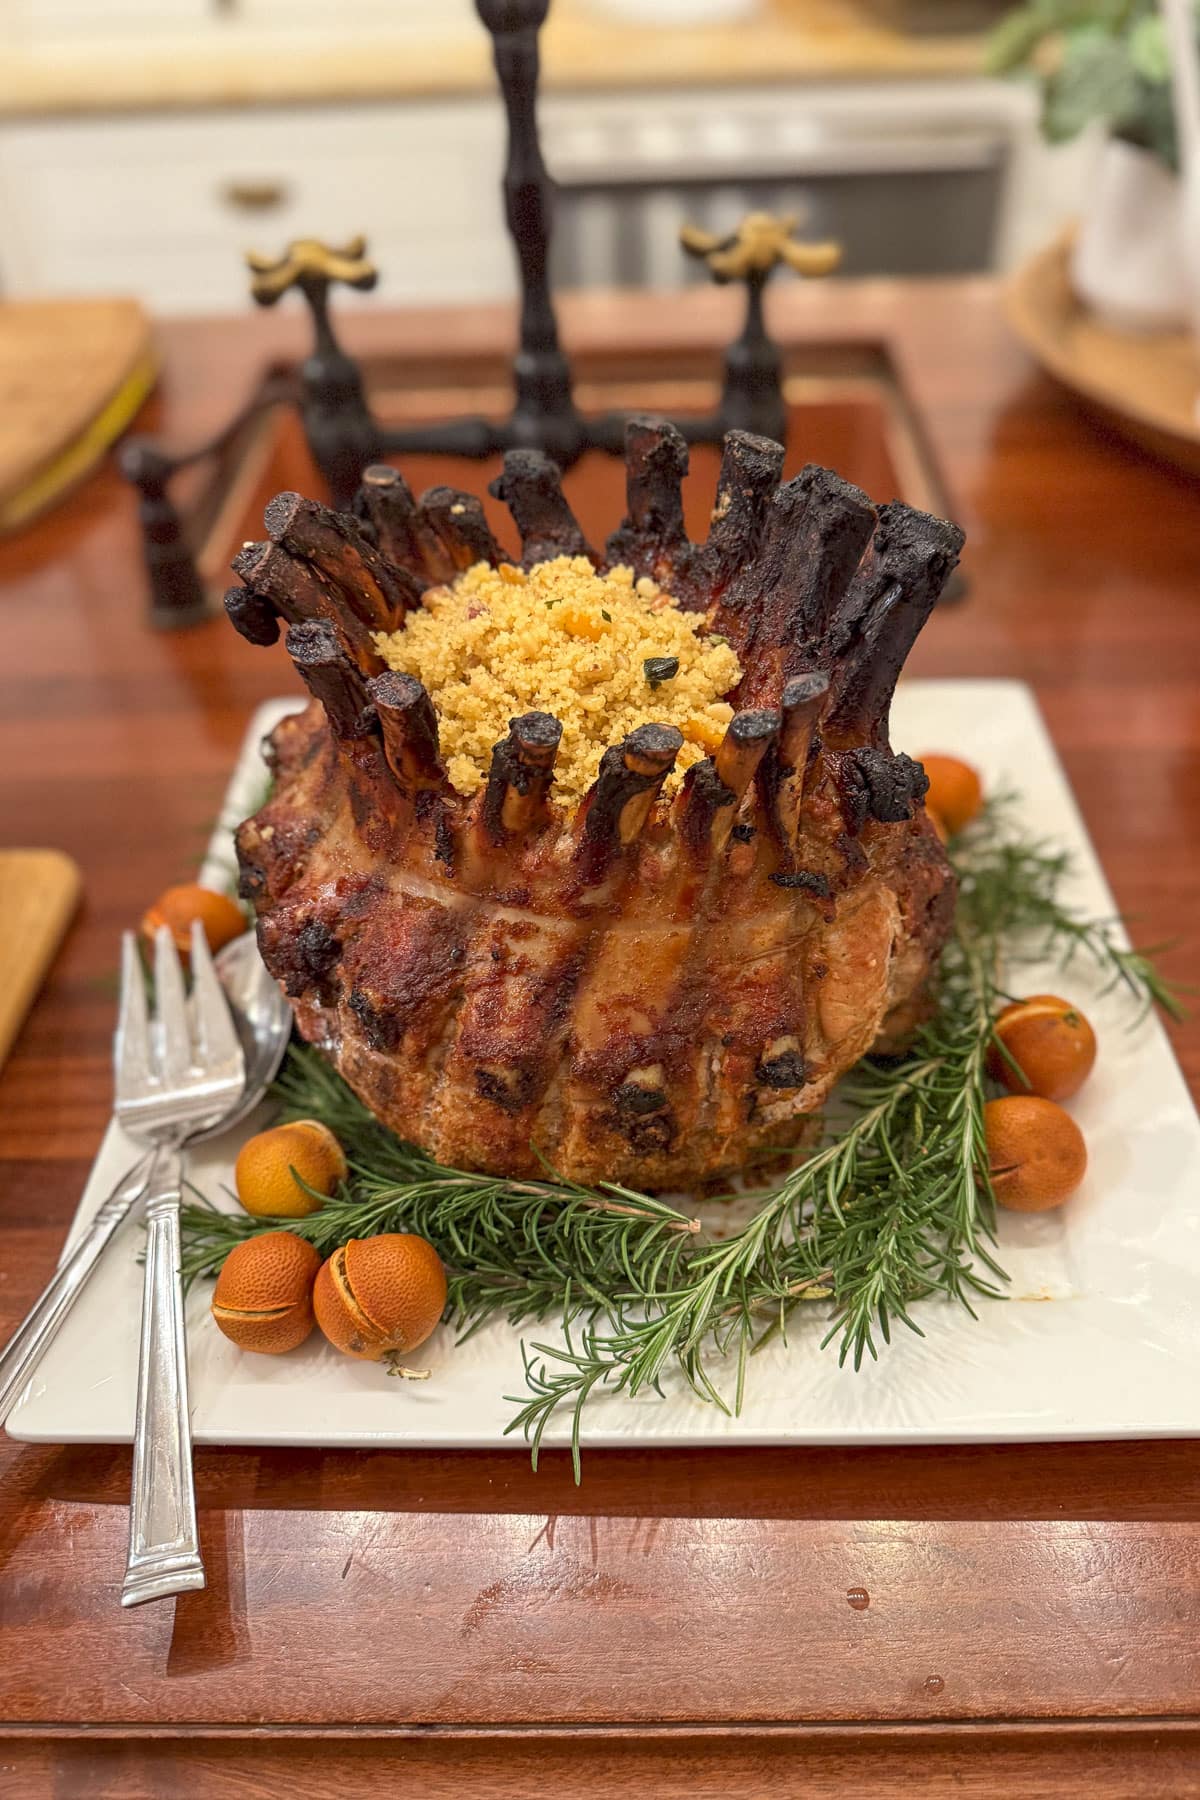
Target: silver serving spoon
{"points": [[264, 1024]]}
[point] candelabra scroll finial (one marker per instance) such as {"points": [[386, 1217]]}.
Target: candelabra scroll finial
{"points": [[759, 245], [309, 264], [342, 432], [752, 394]]}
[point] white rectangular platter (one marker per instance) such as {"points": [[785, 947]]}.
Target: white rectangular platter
{"points": [[1099, 1339]]}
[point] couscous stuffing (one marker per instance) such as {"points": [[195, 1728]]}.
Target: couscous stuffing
{"points": [[559, 638]]}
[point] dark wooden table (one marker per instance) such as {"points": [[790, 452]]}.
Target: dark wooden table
{"points": [[682, 1619]]}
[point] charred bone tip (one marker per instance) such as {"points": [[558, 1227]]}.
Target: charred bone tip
{"points": [[749, 475], [409, 725], [385, 500], [331, 676], [621, 800], [398, 692], [804, 691], [815, 479], [755, 725], [252, 615], [282, 513], [460, 523], [656, 461], [520, 775], [538, 735], [802, 703], [650, 750], [903, 531], [744, 745], [781, 776], [654, 447], [704, 801], [530, 485], [382, 476], [750, 465]]}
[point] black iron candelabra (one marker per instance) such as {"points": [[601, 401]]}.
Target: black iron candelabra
{"points": [[343, 434]]}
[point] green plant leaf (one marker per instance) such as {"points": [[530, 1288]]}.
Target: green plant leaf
{"points": [[1096, 82], [1014, 40], [1152, 128], [1148, 50]]}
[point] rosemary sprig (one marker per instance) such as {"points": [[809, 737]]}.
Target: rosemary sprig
{"points": [[893, 1206], [1009, 892], [513, 1248]]}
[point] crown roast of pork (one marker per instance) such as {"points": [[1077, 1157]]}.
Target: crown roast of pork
{"points": [[646, 987]]}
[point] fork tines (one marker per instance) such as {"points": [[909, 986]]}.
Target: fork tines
{"points": [[171, 1063]]}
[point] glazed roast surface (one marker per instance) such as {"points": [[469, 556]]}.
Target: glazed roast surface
{"points": [[640, 989]]}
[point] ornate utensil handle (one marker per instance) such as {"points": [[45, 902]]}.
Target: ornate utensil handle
{"points": [[34, 1335], [164, 1546]]}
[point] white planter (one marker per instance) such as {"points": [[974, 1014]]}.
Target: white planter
{"points": [[1128, 263]]}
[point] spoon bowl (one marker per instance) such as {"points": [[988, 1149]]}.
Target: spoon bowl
{"points": [[263, 1018]]}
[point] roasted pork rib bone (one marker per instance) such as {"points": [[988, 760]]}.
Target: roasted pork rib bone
{"points": [[620, 800], [459, 521], [531, 488], [750, 471], [512, 801], [410, 733], [299, 594], [817, 529], [714, 789], [651, 539], [332, 678], [335, 545], [252, 616], [520, 776], [883, 610], [385, 506], [782, 771], [744, 745], [911, 548]]}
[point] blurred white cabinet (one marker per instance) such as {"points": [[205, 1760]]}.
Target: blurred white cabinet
{"points": [[914, 176], [164, 206]]}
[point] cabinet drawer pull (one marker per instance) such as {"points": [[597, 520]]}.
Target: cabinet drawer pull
{"points": [[254, 196]]}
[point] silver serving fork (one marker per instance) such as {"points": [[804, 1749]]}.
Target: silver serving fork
{"points": [[177, 1073]]}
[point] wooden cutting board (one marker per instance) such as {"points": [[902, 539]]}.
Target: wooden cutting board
{"points": [[72, 375], [39, 891]]}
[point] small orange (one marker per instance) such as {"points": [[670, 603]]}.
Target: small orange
{"points": [[955, 790], [263, 1297], [268, 1164], [176, 907], [1052, 1044], [376, 1296], [1036, 1152]]}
